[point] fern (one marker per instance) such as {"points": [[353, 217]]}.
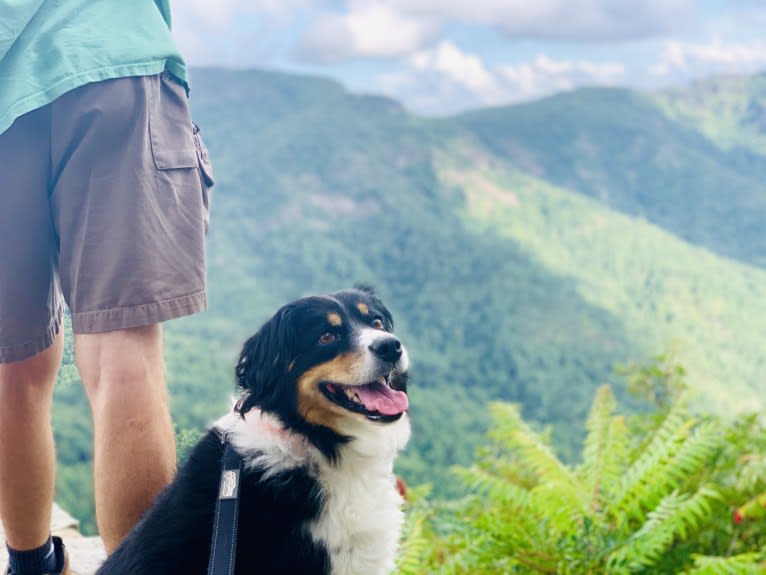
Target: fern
{"points": [[644, 481], [512, 433], [561, 504], [498, 489], [675, 515], [413, 550], [606, 450], [743, 564], [640, 503]]}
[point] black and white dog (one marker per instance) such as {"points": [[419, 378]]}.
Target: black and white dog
{"points": [[320, 420]]}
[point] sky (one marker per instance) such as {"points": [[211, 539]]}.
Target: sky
{"points": [[440, 57]]}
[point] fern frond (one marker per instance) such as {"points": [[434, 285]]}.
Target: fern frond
{"points": [[672, 519], [467, 560], [643, 483], [616, 458], [412, 559], [606, 448], [597, 424], [696, 451], [511, 432], [562, 504], [499, 490], [743, 564]]}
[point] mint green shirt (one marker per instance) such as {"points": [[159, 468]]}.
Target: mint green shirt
{"points": [[49, 47]]}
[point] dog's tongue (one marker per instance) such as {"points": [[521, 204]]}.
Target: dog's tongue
{"points": [[381, 398]]}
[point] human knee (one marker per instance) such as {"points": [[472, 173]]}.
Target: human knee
{"points": [[35, 375], [120, 363]]}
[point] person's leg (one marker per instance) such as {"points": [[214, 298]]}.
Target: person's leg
{"points": [[134, 449], [30, 345], [27, 459], [129, 208]]}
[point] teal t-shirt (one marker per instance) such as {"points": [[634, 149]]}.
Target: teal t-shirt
{"points": [[48, 47]]}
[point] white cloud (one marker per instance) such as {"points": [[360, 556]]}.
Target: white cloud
{"points": [[371, 30], [447, 79], [232, 32], [684, 60], [461, 68], [559, 20], [544, 75], [386, 28]]}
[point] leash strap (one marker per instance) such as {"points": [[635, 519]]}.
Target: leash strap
{"points": [[224, 547]]}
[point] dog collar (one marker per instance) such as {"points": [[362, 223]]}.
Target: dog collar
{"points": [[224, 545]]}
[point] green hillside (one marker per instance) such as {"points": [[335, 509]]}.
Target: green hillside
{"points": [[729, 111], [623, 149], [503, 283], [670, 294]]}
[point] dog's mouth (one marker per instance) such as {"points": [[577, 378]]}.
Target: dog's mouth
{"points": [[378, 400]]}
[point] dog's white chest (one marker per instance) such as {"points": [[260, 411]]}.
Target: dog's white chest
{"points": [[361, 519], [361, 510]]}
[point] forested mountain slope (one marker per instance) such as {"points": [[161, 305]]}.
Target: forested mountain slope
{"points": [[496, 240], [645, 155]]}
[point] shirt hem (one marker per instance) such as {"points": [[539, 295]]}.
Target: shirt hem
{"points": [[69, 83]]}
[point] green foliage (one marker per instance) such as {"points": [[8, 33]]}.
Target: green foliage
{"points": [[744, 564], [186, 439], [664, 290], [651, 494]]}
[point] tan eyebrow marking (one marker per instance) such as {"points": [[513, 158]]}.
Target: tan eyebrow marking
{"points": [[362, 307], [334, 319]]}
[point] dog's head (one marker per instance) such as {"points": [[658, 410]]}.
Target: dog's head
{"points": [[329, 367]]}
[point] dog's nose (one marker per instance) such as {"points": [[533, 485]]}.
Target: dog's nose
{"points": [[387, 348]]}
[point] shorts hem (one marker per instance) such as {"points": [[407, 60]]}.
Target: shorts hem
{"points": [[29, 349], [139, 315]]}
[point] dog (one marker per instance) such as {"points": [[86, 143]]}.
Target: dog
{"points": [[322, 414]]}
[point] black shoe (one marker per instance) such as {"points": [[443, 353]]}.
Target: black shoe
{"points": [[62, 558]]}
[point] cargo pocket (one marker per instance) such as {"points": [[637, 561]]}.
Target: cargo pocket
{"points": [[170, 127], [205, 171]]}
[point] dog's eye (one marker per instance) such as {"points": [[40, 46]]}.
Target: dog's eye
{"points": [[327, 337], [377, 323]]}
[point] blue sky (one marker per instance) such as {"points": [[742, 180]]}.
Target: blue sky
{"points": [[443, 56]]}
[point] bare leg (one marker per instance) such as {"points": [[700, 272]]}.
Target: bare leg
{"points": [[134, 443], [27, 457]]}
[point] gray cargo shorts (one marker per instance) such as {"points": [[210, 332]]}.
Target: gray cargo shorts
{"points": [[104, 205]]}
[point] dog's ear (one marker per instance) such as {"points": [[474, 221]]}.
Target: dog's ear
{"points": [[365, 288], [264, 360]]}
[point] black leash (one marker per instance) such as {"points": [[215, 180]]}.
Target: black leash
{"points": [[224, 548]]}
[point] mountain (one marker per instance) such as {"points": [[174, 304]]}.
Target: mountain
{"points": [[729, 111], [524, 252], [644, 155]]}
